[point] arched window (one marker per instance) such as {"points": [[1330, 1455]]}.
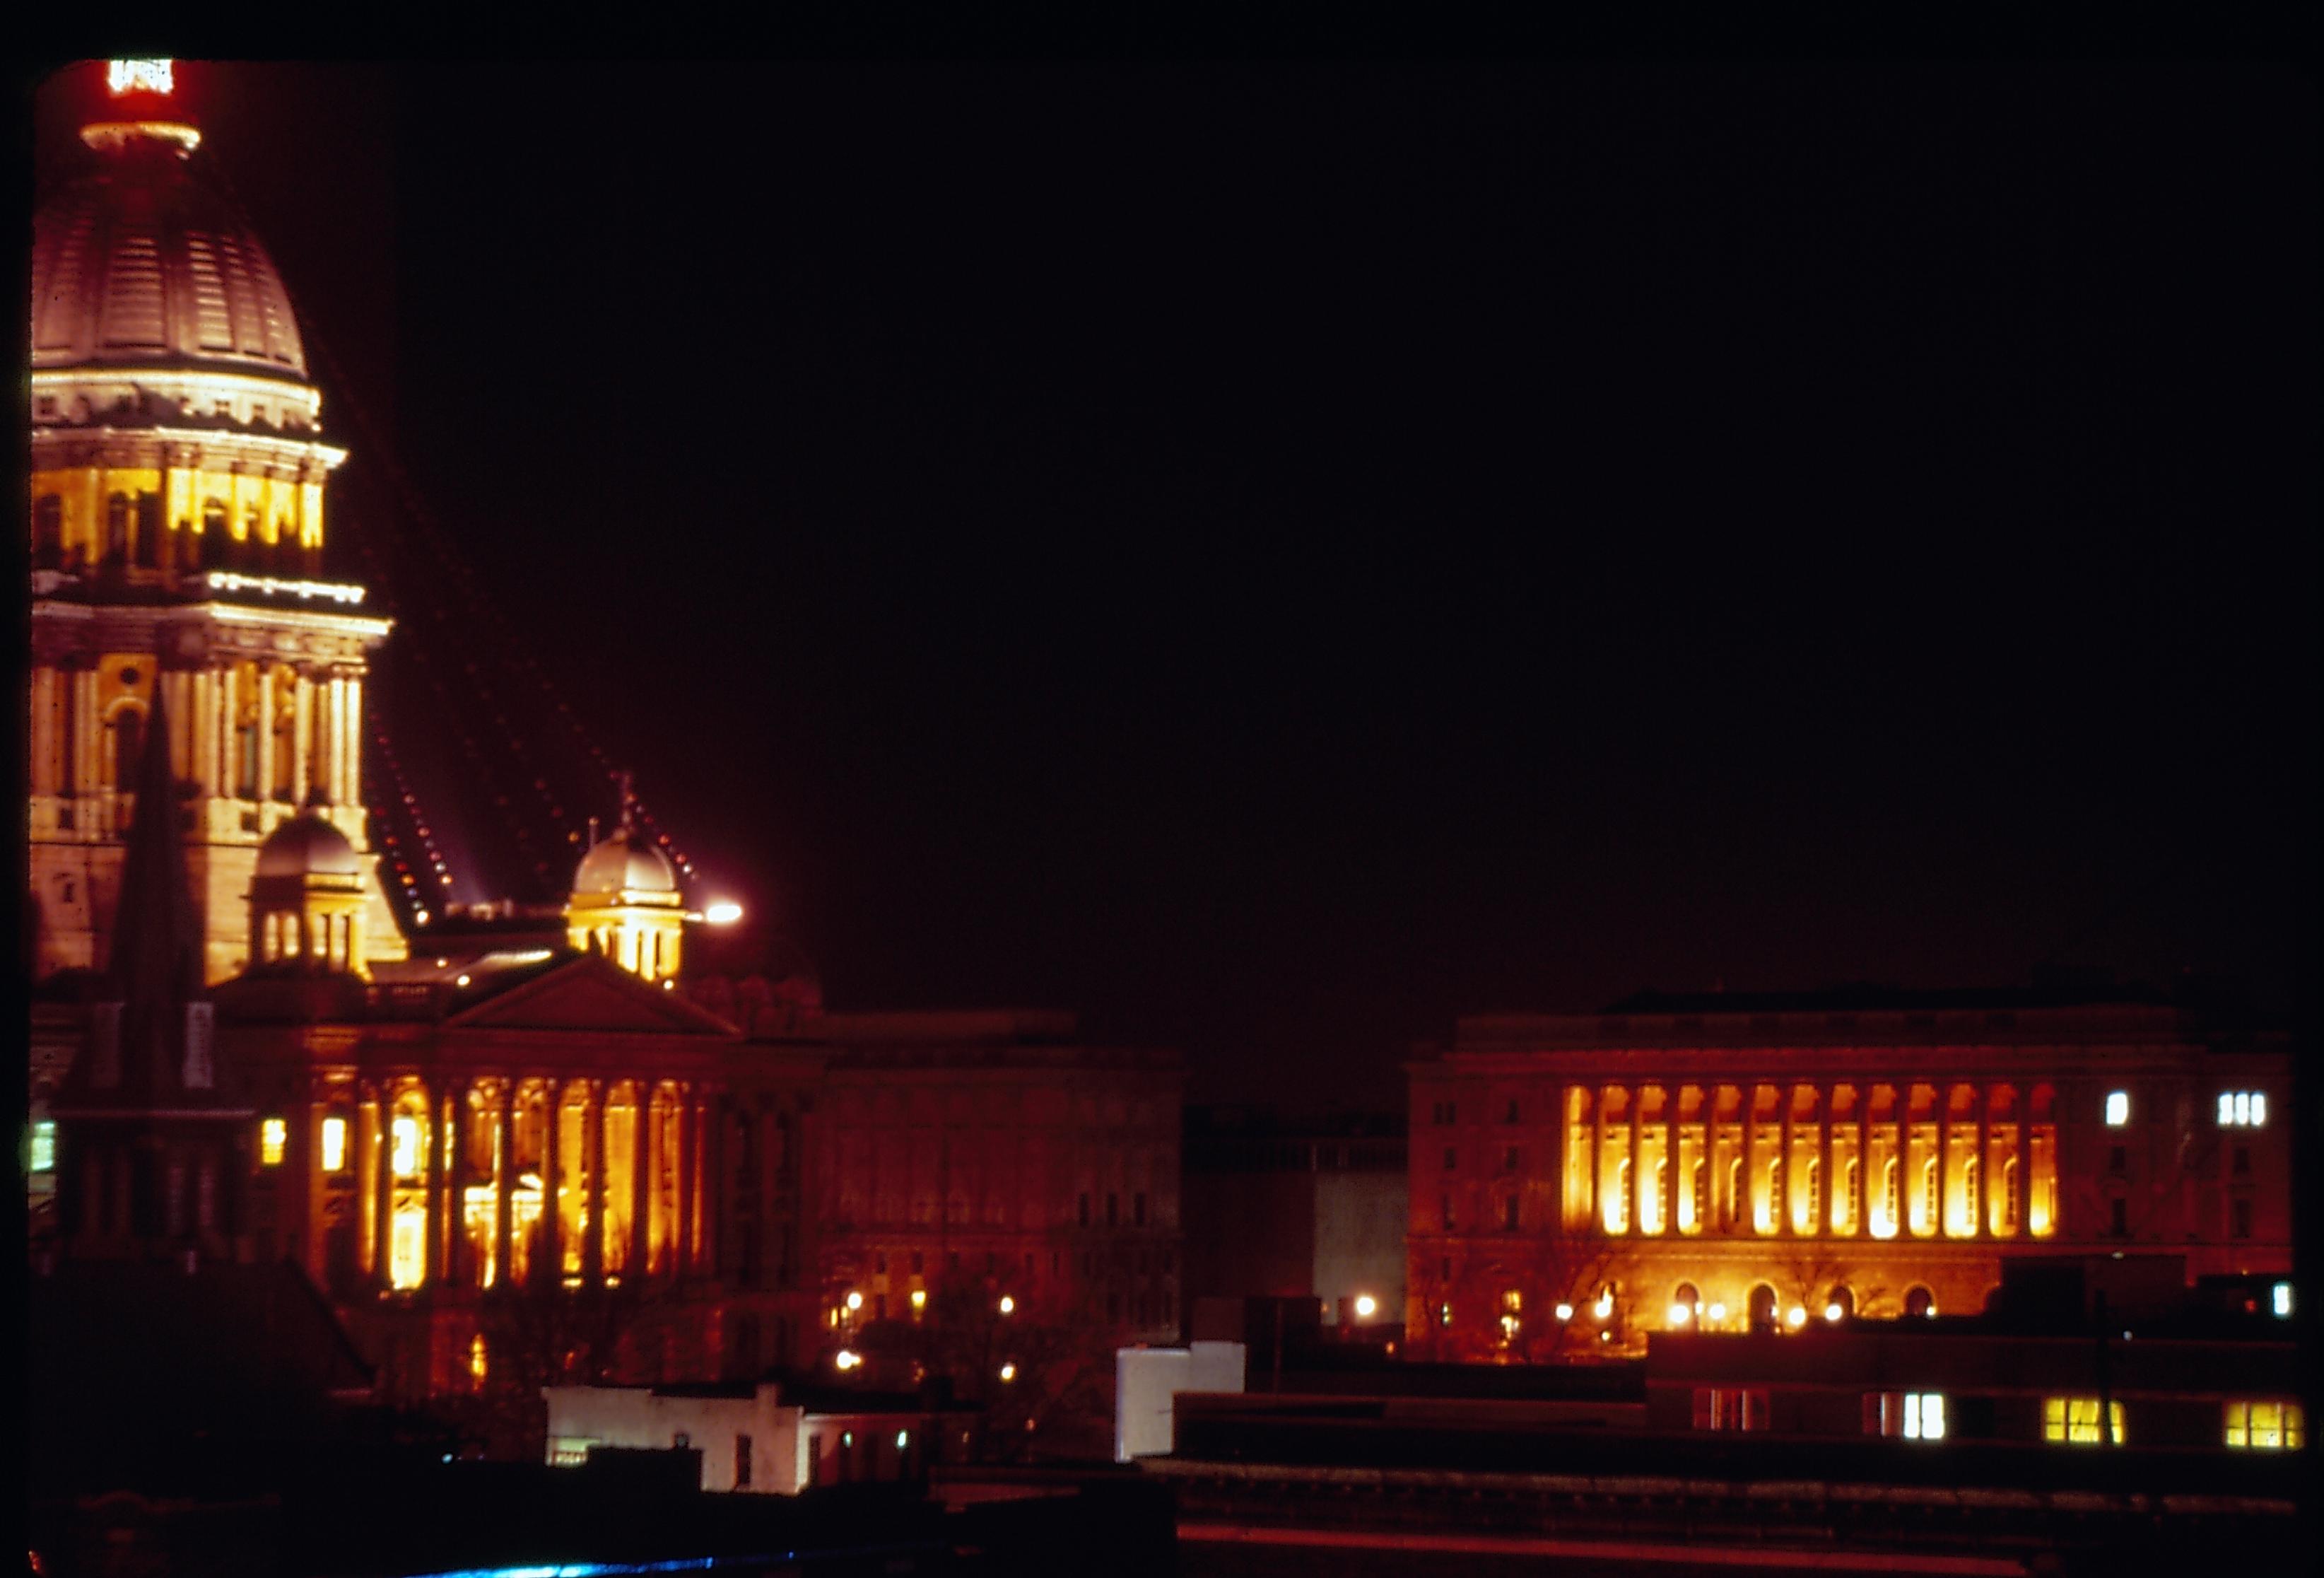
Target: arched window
{"points": [[1891, 1190], [1763, 1308], [1685, 1301], [1699, 1188], [48, 531], [1846, 1215], [1814, 1185], [149, 531], [1919, 1301], [2009, 1195], [116, 529], [1970, 1200], [1734, 1212], [1840, 1303], [1931, 1180], [128, 747], [1620, 1212]]}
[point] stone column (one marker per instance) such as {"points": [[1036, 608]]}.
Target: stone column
{"points": [[1978, 1227], [354, 772], [302, 736], [504, 1189], [1861, 1206], [640, 1181], [43, 731], [384, 1190], [1671, 1094], [770, 1191], [88, 772], [263, 790], [206, 751], [2021, 1151], [459, 1257], [592, 1231], [682, 1246], [1784, 1165], [229, 753], [1596, 1158], [432, 1251], [1636, 1196], [549, 1269]]}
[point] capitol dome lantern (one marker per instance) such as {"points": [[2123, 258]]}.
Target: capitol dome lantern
{"points": [[625, 903], [307, 899]]}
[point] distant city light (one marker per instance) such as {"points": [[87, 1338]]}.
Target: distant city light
{"points": [[1564, 1312], [726, 912], [1009, 1372], [846, 1359], [855, 1301], [1008, 1305], [1366, 1307], [462, 980], [903, 1439], [141, 76]]}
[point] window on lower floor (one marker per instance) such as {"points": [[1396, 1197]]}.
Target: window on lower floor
{"points": [[2075, 1420], [1729, 1408], [741, 1462], [274, 1136], [1911, 1416], [568, 1452], [2239, 1219], [2270, 1426]]}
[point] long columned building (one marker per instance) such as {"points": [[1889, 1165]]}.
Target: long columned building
{"points": [[1731, 1163]]}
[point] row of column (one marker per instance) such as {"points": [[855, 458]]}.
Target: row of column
{"points": [[450, 1253], [69, 744], [1966, 1186]]}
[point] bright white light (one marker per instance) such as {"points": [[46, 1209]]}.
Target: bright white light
{"points": [[1797, 1317], [855, 1301], [1717, 1312], [1009, 1372], [1681, 1314], [903, 1439], [919, 1298], [403, 1137], [2283, 1300], [726, 912], [1605, 1305], [2259, 1108], [846, 1359], [1366, 1307], [1008, 1305], [2118, 1108], [1832, 1312], [1566, 1312], [141, 76], [267, 585]]}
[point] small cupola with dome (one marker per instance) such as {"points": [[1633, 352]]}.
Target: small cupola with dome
{"points": [[306, 898], [625, 901]]}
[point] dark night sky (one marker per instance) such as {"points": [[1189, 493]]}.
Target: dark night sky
{"points": [[1277, 557]]}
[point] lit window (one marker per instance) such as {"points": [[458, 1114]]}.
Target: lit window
{"points": [[43, 1156], [406, 1161], [2272, 1427], [274, 1134], [334, 1144], [2243, 1109], [2076, 1421], [568, 1452], [1912, 1415], [2118, 1108], [1729, 1408], [2283, 1300], [479, 1360]]}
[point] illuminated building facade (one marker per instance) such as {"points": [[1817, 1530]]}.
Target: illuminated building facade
{"points": [[1727, 1163], [177, 511]]}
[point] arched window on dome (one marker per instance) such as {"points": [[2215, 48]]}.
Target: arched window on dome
{"points": [[48, 531], [128, 745], [116, 530], [148, 531]]}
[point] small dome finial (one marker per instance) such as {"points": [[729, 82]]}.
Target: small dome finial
{"points": [[629, 799]]}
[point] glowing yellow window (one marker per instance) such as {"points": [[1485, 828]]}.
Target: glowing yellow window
{"points": [[2076, 1421], [406, 1161], [335, 1145], [2269, 1426], [274, 1134]]}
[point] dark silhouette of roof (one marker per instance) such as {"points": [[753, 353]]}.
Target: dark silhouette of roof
{"points": [[1872, 997]]}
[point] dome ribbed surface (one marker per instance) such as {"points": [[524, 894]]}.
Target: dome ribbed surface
{"points": [[138, 262], [625, 862], [308, 846]]}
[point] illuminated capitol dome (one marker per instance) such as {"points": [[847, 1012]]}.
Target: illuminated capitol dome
{"points": [[625, 901], [177, 532]]}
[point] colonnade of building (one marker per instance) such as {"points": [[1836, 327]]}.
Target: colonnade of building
{"points": [[1939, 1159], [470, 1184], [249, 731]]}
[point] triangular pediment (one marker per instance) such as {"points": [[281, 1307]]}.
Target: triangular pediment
{"points": [[590, 993]]}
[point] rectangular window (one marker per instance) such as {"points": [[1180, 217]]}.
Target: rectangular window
{"points": [[2239, 1219], [2119, 1217], [335, 1145], [1510, 1215], [568, 1452], [1908, 1415], [274, 1134], [2075, 1420], [405, 1162], [2240, 1161], [741, 1462], [1084, 1211], [2118, 1159], [1509, 1159], [1729, 1408], [2118, 1108], [1452, 1159], [1445, 1211], [2268, 1427], [916, 1263], [2243, 1109], [1513, 1110], [43, 1149]]}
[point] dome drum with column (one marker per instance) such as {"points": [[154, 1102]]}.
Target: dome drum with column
{"points": [[307, 899], [626, 904]]}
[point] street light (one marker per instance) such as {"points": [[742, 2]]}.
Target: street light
{"points": [[1008, 1305], [1009, 1372], [1797, 1318], [1832, 1312], [854, 1301], [846, 1359], [1717, 1312], [1680, 1314], [1605, 1305], [1564, 1312], [1366, 1307]]}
